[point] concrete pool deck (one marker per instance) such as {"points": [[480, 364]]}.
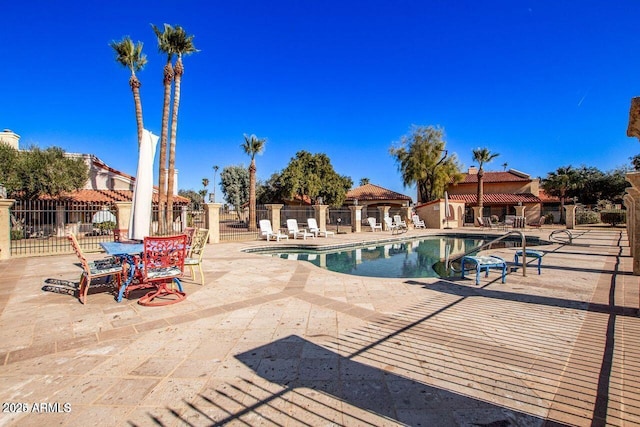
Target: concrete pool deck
{"points": [[269, 341]]}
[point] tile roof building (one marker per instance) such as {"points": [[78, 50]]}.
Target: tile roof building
{"points": [[502, 193]]}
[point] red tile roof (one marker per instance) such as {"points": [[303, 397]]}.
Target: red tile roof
{"points": [[374, 192], [108, 196], [548, 198], [496, 198], [508, 176]]}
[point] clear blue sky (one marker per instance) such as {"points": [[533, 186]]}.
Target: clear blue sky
{"points": [[544, 83]]}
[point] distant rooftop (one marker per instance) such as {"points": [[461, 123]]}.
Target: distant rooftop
{"points": [[374, 192]]}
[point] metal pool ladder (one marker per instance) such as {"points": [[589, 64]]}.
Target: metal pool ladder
{"points": [[554, 232], [523, 241]]}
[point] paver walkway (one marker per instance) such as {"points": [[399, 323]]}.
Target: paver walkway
{"points": [[268, 341]]}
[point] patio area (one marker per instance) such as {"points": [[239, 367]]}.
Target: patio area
{"points": [[274, 342]]}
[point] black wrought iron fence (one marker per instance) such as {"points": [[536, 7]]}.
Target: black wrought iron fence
{"points": [[234, 225], [40, 227], [300, 213]]}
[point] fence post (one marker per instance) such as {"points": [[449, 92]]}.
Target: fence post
{"points": [[273, 213], [5, 228], [356, 218], [321, 216], [570, 219], [212, 221], [123, 215]]}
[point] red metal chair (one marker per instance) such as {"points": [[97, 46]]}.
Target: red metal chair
{"points": [[163, 264]]}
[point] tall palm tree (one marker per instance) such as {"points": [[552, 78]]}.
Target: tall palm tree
{"points": [[164, 47], [130, 55], [482, 156], [181, 44], [252, 145]]}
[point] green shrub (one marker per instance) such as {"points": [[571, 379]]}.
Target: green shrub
{"points": [[17, 234], [587, 217], [613, 217], [548, 218]]}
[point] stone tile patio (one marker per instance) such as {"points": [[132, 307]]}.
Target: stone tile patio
{"points": [[268, 341]]}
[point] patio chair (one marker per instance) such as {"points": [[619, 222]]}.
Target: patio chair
{"points": [[267, 232], [372, 223], [194, 257], [537, 224], [313, 227], [489, 224], [417, 222], [94, 269], [292, 226], [395, 228], [190, 232], [163, 263], [399, 222]]}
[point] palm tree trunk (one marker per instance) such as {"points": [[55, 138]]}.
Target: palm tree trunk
{"points": [[480, 190], [252, 195], [162, 173], [178, 69], [135, 88]]}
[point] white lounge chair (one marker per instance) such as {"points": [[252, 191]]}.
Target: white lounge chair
{"points": [[395, 228], [417, 222], [373, 225], [399, 222], [313, 228], [292, 226], [267, 232]]}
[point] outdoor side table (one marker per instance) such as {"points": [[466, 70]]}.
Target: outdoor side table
{"points": [[129, 253], [530, 253], [485, 263]]}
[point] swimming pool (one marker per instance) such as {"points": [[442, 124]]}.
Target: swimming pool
{"points": [[420, 257]]}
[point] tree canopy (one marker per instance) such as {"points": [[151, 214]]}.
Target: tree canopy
{"points": [[234, 183], [313, 176], [34, 172], [423, 160]]}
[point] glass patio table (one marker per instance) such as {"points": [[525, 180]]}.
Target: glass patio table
{"points": [[127, 252]]}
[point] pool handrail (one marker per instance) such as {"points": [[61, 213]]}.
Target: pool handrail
{"points": [[523, 241], [561, 231]]}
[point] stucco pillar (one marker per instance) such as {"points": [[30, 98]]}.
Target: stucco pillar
{"points": [[570, 216], [273, 213], [5, 228], [477, 213], [123, 215], [520, 210], [321, 216], [629, 204], [212, 221], [406, 214], [634, 193], [356, 218], [384, 212]]}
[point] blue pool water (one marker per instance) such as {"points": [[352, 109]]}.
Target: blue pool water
{"points": [[422, 257]]}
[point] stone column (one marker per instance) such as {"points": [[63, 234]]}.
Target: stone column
{"points": [[273, 213], [356, 218], [5, 228], [570, 216], [477, 213], [60, 215], [123, 215], [629, 204], [520, 210], [321, 216], [634, 226], [384, 212], [406, 214], [212, 221]]}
